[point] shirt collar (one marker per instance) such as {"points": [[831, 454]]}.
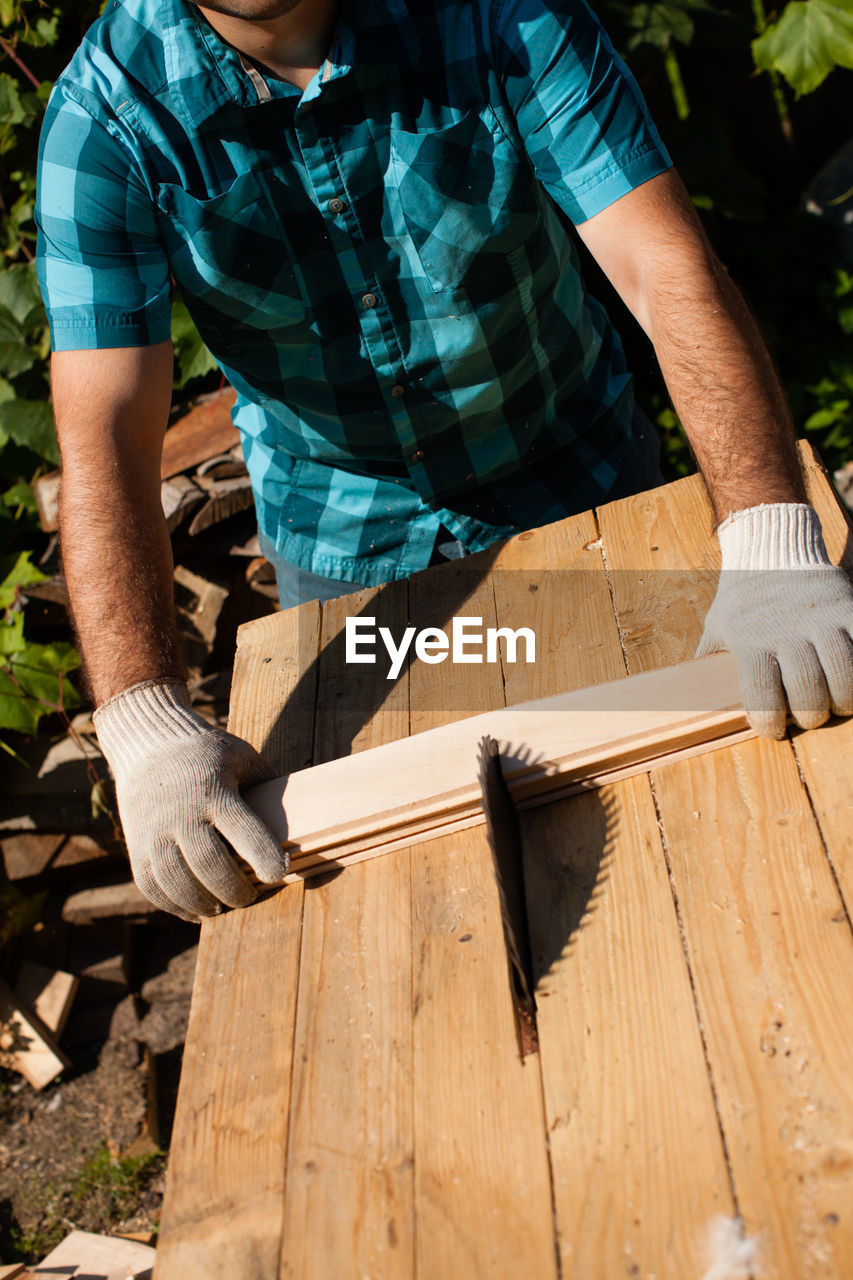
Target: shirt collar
{"points": [[370, 33]]}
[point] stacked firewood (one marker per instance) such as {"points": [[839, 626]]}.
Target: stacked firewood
{"points": [[60, 842]]}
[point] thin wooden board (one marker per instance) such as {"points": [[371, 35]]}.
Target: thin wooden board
{"points": [[482, 1180], [554, 741], [224, 1203], [763, 921], [349, 1206]]}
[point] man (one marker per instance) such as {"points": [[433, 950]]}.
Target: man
{"points": [[364, 204]]}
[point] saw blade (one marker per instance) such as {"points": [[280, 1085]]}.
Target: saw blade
{"points": [[505, 843]]}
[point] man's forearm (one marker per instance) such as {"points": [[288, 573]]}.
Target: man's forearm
{"points": [[719, 374], [118, 568], [725, 390]]}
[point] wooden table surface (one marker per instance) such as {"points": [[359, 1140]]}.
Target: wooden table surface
{"points": [[353, 1103]]}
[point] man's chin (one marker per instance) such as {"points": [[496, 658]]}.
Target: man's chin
{"points": [[248, 10]]}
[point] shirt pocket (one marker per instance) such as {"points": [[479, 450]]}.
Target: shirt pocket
{"points": [[231, 258], [466, 195]]}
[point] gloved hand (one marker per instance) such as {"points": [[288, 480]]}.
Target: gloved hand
{"points": [[786, 613], [177, 782]]}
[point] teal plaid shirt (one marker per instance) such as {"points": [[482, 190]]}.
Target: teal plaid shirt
{"points": [[381, 265]]}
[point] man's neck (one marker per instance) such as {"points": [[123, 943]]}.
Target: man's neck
{"points": [[292, 44]]}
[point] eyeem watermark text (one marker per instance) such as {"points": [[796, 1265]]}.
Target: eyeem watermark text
{"points": [[467, 642]]}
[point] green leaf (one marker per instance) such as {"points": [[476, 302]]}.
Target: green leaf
{"points": [[828, 417], [30, 423], [33, 683], [659, 24], [46, 30], [192, 356], [20, 573], [11, 110], [15, 358], [12, 638], [10, 330], [20, 296], [21, 495], [811, 38]]}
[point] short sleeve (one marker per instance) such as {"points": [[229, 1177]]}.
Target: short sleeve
{"points": [[102, 267], [578, 109]]}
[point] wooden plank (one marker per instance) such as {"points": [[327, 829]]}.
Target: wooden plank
{"points": [[482, 1183], [354, 802], [26, 1045], [638, 1167], [764, 927], [224, 1202], [48, 992], [349, 1208], [824, 754], [763, 921], [202, 433], [85, 1253], [275, 685]]}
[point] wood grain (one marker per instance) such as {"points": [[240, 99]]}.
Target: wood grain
{"points": [[824, 755], [763, 921], [224, 1203], [638, 1167], [482, 1183], [349, 1208]]}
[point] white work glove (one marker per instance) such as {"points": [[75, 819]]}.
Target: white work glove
{"points": [[177, 781], [786, 613]]}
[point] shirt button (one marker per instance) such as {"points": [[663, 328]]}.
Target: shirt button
{"points": [[398, 392], [369, 300], [417, 455], [336, 205]]}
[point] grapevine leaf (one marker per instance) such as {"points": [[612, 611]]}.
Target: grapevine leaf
{"points": [[11, 110], [32, 684], [810, 39], [30, 423]]}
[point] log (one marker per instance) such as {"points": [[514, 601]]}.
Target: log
{"points": [[427, 785], [106, 902], [26, 1045], [204, 432], [48, 992]]}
